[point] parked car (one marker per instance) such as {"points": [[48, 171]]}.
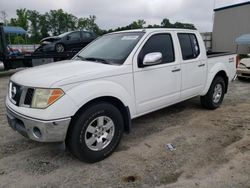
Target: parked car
{"points": [[74, 40], [243, 71], [89, 101]]}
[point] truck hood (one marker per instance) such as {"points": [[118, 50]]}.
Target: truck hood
{"points": [[50, 39], [65, 73]]}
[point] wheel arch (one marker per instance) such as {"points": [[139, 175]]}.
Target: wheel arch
{"points": [[222, 73], [125, 111], [62, 43]]}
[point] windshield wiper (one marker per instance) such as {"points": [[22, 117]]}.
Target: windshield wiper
{"points": [[80, 57], [96, 60], [93, 59]]}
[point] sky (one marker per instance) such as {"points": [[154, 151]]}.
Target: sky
{"points": [[115, 13]]}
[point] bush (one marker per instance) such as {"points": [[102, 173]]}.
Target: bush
{"points": [[19, 40]]}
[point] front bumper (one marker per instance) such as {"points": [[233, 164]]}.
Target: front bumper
{"points": [[243, 73], [38, 130], [48, 47]]}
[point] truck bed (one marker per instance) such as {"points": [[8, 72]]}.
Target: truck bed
{"points": [[218, 54], [223, 59]]}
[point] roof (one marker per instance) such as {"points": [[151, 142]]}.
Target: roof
{"points": [[16, 30], [155, 30], [243, 39], [233, 6]]}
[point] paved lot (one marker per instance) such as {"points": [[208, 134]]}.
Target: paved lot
{"points": [[212, 150]]}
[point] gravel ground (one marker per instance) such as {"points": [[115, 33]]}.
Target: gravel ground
{"points": [[1, 66], [212, 150]]}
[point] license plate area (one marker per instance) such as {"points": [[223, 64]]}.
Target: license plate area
{"points": [[17, 125]]}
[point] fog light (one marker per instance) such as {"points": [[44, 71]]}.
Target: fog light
{"points": [[37, 133]]}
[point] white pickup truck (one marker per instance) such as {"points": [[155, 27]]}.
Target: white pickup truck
{"points": [[89, 101]]}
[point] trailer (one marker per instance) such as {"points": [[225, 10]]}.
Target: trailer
{"points": [[13, 61]]}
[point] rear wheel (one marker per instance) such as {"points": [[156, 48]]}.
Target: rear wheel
{"points": [[215, 94], [96, 132]]}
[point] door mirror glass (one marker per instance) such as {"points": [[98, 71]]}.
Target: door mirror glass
{"points": [[152, 58]]}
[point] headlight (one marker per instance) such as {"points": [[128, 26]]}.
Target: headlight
{"points": [[45, 97], [46, 42]]}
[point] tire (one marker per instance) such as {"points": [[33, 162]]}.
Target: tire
{"points": [[59, 48], [213, 100], [6, 66], [81, 132]]}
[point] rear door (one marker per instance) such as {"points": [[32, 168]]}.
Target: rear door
{"points": [[74, 40], [87, 37], [193, 66], [157, 86]]}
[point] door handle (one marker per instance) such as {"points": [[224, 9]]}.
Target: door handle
{"points": [[176, 70], [201, 65]]}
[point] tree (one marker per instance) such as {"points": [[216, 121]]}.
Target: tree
{"points": [[3, 17], [70, 21], [61, 21], [19, 40], [44, 25], [34, 17], [56, 22], [136, 24], [13, 22], [141, 23], [184, 25], [166, 23], [22, 18], [89, 24]]}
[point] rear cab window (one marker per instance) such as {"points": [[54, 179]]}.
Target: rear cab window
{"points": [[189, 46]]}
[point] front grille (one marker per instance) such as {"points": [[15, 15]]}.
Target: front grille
{"points": [[20, 95], [29, 96], [15, 93]]}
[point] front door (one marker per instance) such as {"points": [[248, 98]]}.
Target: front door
{"points": [[74, 40], [157, 85]]}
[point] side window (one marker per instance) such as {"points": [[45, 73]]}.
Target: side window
{"points": [[189, 46], [158, 43], [195, 45], [74, 36], [86, 35]]}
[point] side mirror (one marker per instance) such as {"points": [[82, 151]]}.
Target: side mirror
{"points": [[68, 37], [152, 58]]}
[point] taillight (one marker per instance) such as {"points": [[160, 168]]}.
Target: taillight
{"points": [[237, 60]]}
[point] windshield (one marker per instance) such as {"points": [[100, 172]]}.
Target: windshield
{"points": [[111, 48]]}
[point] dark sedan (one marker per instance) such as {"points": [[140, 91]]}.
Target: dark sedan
{"points": [[73, 40]]}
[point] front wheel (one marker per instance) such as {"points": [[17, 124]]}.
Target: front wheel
{"points": [[96, 132], [215, 94], [59, 48]]}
